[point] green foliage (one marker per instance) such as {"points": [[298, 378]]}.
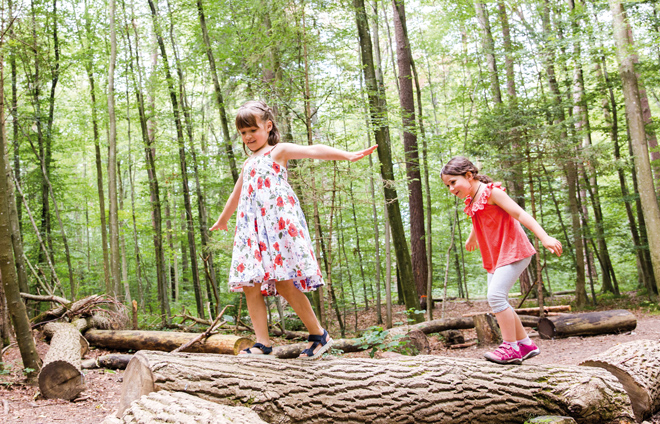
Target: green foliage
{"points": [[375, 339]]}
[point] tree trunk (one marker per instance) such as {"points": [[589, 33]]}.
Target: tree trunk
{"points": [[489, 50], [112, 362], [587, 324], [569, 167], [113, 213], [154, 190], [635, 117], [378, 111], [182, 162], [407, 100], [15, 304], [218, 92], [180, 407], [61, 376], [636, 364], [165, 341], [383, 391]]}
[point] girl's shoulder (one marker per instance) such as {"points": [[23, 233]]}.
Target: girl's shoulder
{"points": [[483, 198]]}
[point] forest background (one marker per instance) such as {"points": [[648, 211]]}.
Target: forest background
{"points": [[117, 122]]}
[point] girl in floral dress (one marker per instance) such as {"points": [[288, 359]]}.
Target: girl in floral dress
{"points": [[272, 251], [505, 249]]}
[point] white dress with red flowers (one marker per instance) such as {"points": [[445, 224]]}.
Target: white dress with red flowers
{"points": [[272, 242]]}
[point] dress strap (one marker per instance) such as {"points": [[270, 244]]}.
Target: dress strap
{"points": [[270, 151]]}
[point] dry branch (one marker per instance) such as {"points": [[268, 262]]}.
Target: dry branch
{"points": [[205, 334], [420, 389]]}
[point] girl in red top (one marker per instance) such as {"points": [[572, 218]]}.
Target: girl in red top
{"points": [[505, 249]]}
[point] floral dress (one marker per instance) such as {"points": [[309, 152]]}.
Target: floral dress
{"points": [[271, 242]]}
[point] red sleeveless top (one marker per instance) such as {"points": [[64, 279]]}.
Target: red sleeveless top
{"points": [[501, 238]]}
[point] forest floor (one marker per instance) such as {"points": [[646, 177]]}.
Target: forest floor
{"points": [[21, 403]]}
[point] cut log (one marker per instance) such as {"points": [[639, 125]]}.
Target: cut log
{"points": [[61, 376], [438, 325], [112, 362], [179, 407], [536, 311], [488, 332], [420, 389], [50, 329], [452, 337], [167, 341], [587, 324], [637, 366], [531, 311]]}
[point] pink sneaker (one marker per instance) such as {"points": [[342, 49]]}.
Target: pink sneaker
{"points": [[528, 351], [505, 354]]}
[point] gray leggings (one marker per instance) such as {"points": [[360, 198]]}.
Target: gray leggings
{"points": [[501, 281]]}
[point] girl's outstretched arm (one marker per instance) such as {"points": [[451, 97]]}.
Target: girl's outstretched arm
{"points": [[288, 151], [501, 199], [230, 206]]}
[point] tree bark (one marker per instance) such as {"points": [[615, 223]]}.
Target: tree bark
{"points": [[180, 407], [383, 391], [587, 324], [637, 366], [165, 341], [61, 376], [636, 126]]}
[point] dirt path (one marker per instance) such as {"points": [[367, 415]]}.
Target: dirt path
{"points": [[21, 404]]}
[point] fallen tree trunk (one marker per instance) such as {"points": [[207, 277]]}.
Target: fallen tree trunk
{"points": [[587, 324], [421, 389], [61, 376], [112, 362], [637, 366], [530, 311], [165, 341], [179, 407]]}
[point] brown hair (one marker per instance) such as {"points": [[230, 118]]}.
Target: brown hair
{"points": [[460, 165], [253, 111]]}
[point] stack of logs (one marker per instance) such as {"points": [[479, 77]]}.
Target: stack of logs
{"points": [[621, 385]]}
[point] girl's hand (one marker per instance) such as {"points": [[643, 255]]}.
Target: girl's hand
{"points": [[471, 244], [552, 244], [355, 156], [219, 225]]}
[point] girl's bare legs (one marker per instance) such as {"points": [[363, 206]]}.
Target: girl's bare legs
{"points": [[301, 306], [258, 314], [510, 325]]}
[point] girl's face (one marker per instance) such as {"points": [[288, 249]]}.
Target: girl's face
{"points": [[459, 185], [255, 138]]}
